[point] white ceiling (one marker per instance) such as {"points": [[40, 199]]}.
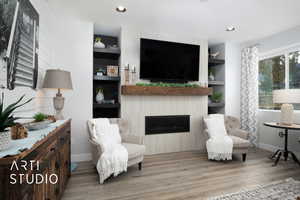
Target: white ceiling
{"points": [[208, 19]]}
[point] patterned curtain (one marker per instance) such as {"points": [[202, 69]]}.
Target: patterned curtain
{"points": [[249, 92]]}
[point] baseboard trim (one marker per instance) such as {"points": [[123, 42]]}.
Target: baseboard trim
{"points": [[81, 157], [268, 147], [273, 148]]}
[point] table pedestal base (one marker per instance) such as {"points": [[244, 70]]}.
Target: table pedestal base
{"points": [[277, 155]]}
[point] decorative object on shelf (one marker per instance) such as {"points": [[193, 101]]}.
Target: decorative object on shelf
{"points": [[114, 46], [18, 131], [39, 117], [126, 70], [61, 80], [112, 71], [98, 43], [40, 122], [214, 55], [287, 97], [32, 126], [111, 101], [100, 95], [51, 118], [8, 120], [133, 75], [211, 74], [216, 97]]}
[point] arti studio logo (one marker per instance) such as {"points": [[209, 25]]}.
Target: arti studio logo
{"points": [[30, 178]]}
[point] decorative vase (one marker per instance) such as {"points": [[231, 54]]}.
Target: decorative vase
{"points": [[211, 77], [5, 139], [99, 44], [99, 97]]}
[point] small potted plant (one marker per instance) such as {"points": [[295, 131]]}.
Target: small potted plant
{"points": [[216, 97], [8, 120], [40, 121]]}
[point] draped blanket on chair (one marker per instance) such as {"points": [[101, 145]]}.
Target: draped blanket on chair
{"points": [[114, 158], [219, 145]]}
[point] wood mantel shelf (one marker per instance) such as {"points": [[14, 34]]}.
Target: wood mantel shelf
{"points": [[165, 91]]}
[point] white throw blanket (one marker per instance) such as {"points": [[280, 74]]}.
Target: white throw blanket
{"points": [[114, 157], [219, 145]]}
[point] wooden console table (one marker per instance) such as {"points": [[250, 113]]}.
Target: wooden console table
{"points": [[53, 155], [285, 152]]}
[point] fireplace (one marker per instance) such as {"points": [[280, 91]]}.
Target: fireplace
{"points": [[167, 124]]}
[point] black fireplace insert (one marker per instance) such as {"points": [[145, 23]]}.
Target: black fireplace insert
{"points": [[167, 124]]}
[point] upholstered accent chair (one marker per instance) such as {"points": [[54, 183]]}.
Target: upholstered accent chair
{"points": [[134, 144], [240, 138]]}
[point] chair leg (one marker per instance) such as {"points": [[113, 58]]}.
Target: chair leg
{"points": [[140, 166], [244, 157]]}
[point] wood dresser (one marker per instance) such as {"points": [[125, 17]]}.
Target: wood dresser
{"points": [[53, 156]]}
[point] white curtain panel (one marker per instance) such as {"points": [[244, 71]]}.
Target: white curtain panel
{"points": [[249, 92]]}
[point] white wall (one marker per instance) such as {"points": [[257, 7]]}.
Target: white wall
{"points": [[135, 108], [232, 79], [73, 51], [268, 137]]}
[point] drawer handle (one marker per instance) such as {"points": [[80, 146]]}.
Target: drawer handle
{"points": [[52, 149]]}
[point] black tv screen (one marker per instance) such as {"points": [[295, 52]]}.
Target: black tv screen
{"points": [[169, 61]]}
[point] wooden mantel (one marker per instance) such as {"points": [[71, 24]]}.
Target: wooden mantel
{"points": [[164, 91]]}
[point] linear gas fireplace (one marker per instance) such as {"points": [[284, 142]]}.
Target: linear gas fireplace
{"points": [[167, 124]]}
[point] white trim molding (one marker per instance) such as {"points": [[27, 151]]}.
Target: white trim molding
{"points": [[279, 51]]}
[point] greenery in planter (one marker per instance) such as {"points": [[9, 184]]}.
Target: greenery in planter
{"points": [[216, 97], [187, 85], [7, 118], [38, 117]]}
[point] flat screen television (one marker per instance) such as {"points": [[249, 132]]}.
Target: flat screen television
{"points": [[169, 61]]}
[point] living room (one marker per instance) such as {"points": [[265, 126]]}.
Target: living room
{"points": [[197, 95]]}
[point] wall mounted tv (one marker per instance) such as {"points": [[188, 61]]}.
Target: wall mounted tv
{"points": [[169, 61]]}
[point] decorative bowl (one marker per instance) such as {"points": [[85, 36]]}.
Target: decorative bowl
{"points": [[38, 125]]}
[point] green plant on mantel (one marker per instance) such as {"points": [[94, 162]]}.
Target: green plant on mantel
{"points": [[187, 85], [7, 118], [39, 117], [216, 97]]}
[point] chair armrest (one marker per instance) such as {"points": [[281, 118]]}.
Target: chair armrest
{"points": [[133, 139], [239, 133], [97, 146]]}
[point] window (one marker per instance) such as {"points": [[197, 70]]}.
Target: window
{"points": [[278, 72]]}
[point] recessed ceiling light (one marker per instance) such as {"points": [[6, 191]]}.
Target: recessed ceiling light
{"points": [[121, 9], [230, 28]]}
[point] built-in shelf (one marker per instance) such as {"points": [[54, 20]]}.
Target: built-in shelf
{"points": [[104, 57], [171, 91], [106, 78], [215, 105], [216, 83], [106, 105], [214, 62], [108, 50]]}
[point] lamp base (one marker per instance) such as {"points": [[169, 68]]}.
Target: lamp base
{"points": [[58, 103], [287, 111]]}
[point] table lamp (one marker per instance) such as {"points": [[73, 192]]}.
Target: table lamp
{"points": [[286, 97], [61, 80]]}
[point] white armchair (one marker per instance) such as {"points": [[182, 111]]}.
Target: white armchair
{"points": [[134, 144]]}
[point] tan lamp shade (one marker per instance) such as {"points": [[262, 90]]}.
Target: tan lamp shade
{"points": [[58, 79], [286, 96]]}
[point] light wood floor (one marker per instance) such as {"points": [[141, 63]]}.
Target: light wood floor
{"points": [[182, 176]]}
